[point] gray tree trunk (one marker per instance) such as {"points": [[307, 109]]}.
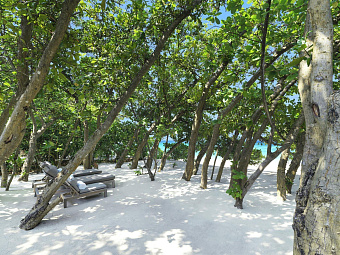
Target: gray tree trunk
{"points": [[316, 224], [87, 162], [4, 175], [200, 156], [294, 165], [281, 175], [141, 146], [164, 157], [122, 157]]}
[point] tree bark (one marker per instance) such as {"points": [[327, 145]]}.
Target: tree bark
{"points": [[281, 174], [88, 158], [122, 157], [4, 175], [316, 225], [294, 165], [213, 170], [43, 204], [141, 146], [225, 158], [200, 156], [35, 134]]}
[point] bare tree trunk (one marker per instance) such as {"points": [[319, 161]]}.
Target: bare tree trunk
{"points": [[4, 175], [316, 228], [294, 165], [168, 154], [43, 204], [224, 159], [281, 174], [141, 146], [122, 157], [152, 154], [88, 158], [35, 134], [200, 156], [213, 170], [15, 168]]}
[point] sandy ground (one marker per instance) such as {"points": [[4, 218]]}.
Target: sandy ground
{"points": [[167, 216]]}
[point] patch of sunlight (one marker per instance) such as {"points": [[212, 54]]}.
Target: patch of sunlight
{"points": [[25, 247], [91, 209], [170, 242], [254, 234], [118, 239], [278, 240], [71, 230]]}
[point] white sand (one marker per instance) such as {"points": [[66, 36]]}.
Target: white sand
{"points": [[167, 216]]}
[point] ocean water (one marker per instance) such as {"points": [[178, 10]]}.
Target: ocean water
{"points": [[258, 145]]}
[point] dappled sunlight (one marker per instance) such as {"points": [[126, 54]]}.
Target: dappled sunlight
{"points": [[166, 216], [169, 242]]}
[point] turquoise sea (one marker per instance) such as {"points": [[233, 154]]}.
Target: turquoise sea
{"points": [[260, 146]]}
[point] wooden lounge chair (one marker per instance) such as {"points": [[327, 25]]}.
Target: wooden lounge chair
{"points": [[75, 192], [51, 172]]}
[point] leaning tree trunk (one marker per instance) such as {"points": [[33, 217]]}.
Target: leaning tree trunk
{"points": [[141, 146], [152, 154], [35, 134], [43, 204], [88, 158], [294, 165], [4, 175], [224, 159], [281, 176], [213, 170], [200, 156], [189, 168], [316, 222], [173, 147], [122, 157]]}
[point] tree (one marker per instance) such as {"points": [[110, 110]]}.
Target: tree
{"points": [[316, 225]]}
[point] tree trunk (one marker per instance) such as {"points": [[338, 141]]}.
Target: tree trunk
{"points": [[200, 156], [4, 175], [316, 221], [281, 174], [122, 157], [152, 153], [189, 168], [213, 170], [316, 224], [15, 168], [294, 165], [141, 146], [30, 157], [173, 147], [43, 204], [224, 159], [163, 159], [290, 139], [88, 159]]}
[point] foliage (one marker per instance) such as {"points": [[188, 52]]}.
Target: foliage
{"points": [[181, 152]]}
